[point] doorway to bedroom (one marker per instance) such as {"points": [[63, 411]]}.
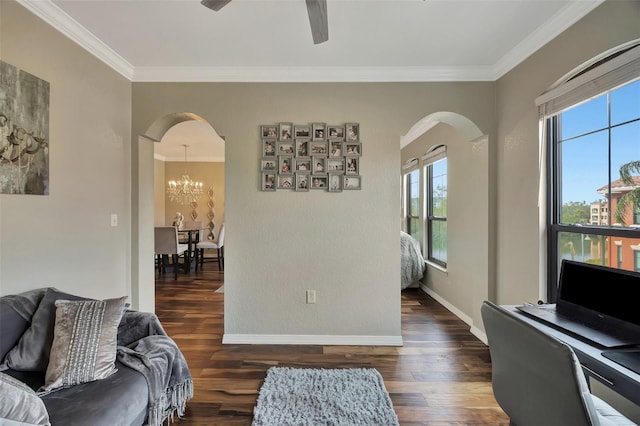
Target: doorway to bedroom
{"points": [[450, 201]]}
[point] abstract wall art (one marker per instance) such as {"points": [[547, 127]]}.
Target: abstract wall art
{"points": [[24, 132]]}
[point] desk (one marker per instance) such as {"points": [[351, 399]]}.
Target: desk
{"points": [[613, 375]]}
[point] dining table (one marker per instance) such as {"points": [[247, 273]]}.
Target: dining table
{"points": [[191, 236]]}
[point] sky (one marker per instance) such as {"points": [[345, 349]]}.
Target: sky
{"points": [[585, 146]]}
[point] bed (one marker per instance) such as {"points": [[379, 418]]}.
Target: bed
{"points": [[412, 266]]}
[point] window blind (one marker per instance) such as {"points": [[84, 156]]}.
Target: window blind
{"points": [[410, 164], [616, 69], [435, 154]]}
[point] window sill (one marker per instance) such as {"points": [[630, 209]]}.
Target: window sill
{"points": [[435, 266]]}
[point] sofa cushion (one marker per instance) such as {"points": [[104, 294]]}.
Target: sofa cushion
{"points": [[12, 325], [20, 404], [84, 342], [120, 399], [32, 351]]}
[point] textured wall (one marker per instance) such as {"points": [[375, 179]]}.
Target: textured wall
{"points": [[65, 239], [343, 245]]}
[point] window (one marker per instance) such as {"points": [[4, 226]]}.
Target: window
{"points": [[592, 138], [436, 197], [412, 203]]}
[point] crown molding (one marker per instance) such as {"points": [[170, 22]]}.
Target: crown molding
{"points": [[68, 26], [566, 17], [311, 74], [60, 20]]}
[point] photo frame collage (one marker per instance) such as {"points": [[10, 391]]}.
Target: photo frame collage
{"points": [[316, 156]]}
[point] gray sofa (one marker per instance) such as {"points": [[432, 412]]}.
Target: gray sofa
{"points": [[122, 398]]}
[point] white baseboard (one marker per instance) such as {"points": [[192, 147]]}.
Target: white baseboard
{"points": [[288, 339], [479, 334], [457, 312], [339, 340]]}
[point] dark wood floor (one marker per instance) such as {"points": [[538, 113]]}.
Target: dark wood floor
{"points": [[441, 376]]}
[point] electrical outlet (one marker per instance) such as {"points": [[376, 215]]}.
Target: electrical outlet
{"points": [[311, 296], [114, 219]]}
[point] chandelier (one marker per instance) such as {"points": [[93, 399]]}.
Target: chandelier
{"points": [[185, 190]]}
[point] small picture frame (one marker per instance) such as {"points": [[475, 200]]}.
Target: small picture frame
{"points": [[302, 131], [318, 148], [285, 182], [302, 164], [335, 182], [353, 148], [352, 166], [268, 181], [319, 131], [268, 147], [285, 148], [268, 165], [285, 164], [285, 131], [302, 181], [302, 147], [335, 149], [319, 165], [269, 131], [336, 133], [352, 132], [335, 165], [351, 182], [319, 182]]}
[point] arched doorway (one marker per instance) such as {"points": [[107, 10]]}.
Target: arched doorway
{"points": [[470, 241], [143, 206]]}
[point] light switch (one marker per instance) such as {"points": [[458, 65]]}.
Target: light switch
{"points": [[114, 219]]}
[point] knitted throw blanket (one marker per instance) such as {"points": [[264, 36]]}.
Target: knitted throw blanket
{"points": [[144, 346], [165, 369]]}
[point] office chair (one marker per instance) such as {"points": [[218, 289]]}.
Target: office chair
{"points": [[217, 244], [165, 244], [537, 379]]}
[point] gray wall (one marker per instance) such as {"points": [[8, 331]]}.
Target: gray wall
{"points": [[343, 245], [65, 239]]}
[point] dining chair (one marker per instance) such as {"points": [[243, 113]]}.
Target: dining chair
{"points": [[166, 244], [537, 379], [217, 244]]}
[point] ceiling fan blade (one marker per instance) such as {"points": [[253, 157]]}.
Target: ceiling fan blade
{"points": [[215, 4], [318, 19]]}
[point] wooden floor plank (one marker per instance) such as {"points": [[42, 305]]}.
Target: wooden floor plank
{"points": [[441, 376]]}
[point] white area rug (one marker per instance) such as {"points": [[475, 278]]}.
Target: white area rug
{"points": [[220, 290], [313, 397]]}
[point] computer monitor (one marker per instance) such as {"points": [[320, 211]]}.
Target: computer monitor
{"points": [[610, 292]]}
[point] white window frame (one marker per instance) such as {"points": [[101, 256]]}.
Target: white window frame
{"points": [[434, 155], [409, 167]]}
